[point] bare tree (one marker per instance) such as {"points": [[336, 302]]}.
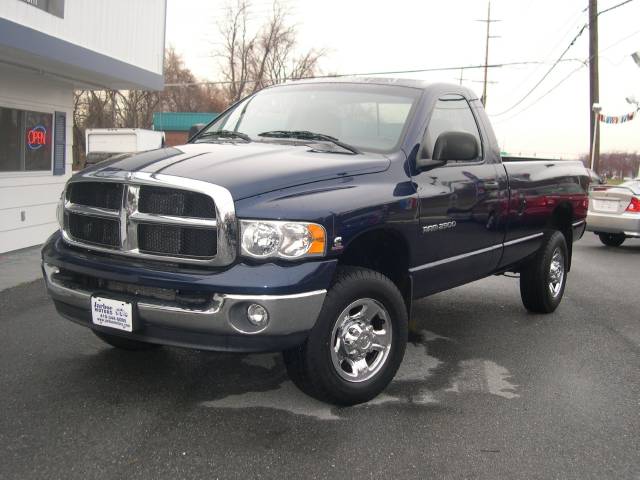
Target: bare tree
{"points": [[253, 59], [188, 96], [617, 164], [237, 50], [135, 108], [90, 109]]}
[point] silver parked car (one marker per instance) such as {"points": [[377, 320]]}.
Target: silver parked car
{"points": [[614, 212]]}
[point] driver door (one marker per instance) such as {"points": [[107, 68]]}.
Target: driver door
{"points": [[460, 238]]}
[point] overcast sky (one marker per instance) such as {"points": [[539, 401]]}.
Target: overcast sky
{"points": [[373, 36]]}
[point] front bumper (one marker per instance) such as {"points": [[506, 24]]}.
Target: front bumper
{"points": [[220, 325], [625, 223]]}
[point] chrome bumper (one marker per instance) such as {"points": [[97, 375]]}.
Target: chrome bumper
{"points": [[626, 223], [225, 315]]}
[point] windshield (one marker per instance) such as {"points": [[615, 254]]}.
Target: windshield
{"points": [[369, 117]]}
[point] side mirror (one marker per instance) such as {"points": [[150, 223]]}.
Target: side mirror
{"points": [[459, 146], [195, 129], [429, 163]]}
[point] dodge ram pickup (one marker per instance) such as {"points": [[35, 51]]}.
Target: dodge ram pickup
{"points": [[307, 218]]}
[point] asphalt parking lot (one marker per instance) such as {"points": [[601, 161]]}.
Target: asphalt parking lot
{"points": [[486, 390]]}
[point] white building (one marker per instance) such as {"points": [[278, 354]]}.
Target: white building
{"points": [[49, 48]]}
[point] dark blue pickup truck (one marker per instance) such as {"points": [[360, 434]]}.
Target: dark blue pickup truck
{"points": [[306, 219]]}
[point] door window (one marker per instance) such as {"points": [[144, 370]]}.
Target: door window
{"points": [[451, 113]]}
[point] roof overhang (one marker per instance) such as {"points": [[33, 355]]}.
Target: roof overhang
{"points": [[24, 47]]}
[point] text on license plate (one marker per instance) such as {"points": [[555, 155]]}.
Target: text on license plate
{"points": [[111, 313]]}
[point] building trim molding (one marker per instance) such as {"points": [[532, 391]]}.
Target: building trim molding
{"points": [[34, 42]]}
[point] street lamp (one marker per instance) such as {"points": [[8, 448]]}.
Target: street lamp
{"points": [[596, 111]]}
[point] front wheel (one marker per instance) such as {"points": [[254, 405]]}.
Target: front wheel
{"points": [[543, 279], [357, 343], [612, 239]]}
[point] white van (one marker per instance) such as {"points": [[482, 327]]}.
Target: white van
{"points": [[103, 143]]}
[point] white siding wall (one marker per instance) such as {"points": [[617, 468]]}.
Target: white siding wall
{"points": [[34, 193], [128, 30]]}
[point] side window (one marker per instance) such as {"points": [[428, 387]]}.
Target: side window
{"points": [[451, 113]]}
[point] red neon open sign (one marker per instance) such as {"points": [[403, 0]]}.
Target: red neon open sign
{"points": [[37, 137]]}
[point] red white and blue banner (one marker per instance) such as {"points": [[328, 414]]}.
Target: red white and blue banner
{"points": [[627, 117]]}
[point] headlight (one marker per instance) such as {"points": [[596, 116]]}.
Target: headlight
{"points": [[288, 240]]}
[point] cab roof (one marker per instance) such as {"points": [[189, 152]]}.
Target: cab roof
{"points": [[400, 82]]}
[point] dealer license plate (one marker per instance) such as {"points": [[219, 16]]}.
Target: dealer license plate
{"points": [[112, 313], [606, 205]]}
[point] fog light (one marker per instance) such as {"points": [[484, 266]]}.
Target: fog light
{"points": [[257, 315]]}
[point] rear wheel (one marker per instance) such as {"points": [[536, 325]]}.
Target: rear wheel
{"points": [[357, 343], [612, 239], [124, 343], [543, 279]]}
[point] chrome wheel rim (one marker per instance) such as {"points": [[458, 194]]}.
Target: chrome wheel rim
{"points": [[361, 340], [556, 273]]}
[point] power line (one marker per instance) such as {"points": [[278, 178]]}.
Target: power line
{"points": [[573, 72], [570, 21], [539, 82], [555, 64], [614, 7], [620, 41], [542, 96], [360, 74], [572, 26]]}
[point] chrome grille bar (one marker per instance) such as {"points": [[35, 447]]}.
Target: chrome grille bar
{"points": [[129, 217], [128, 229], [139, 217], [91, 211]]}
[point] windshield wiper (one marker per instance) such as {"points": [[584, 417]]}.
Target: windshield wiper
{"points": [[307, 135], [224, 134]]}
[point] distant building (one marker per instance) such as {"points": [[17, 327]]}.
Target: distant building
{"points": [[176, 125], [49, 48]]}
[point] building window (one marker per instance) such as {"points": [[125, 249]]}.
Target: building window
{"points": [[25, 140]]}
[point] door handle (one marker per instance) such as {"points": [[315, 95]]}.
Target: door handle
{"points": [[522, 206]]}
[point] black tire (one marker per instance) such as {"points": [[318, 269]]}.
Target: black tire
{"points": [[612, 239], [310, 365], [124, 343], [536, 277]]}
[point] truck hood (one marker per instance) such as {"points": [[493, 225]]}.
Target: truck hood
{"points": [[246, 169]]}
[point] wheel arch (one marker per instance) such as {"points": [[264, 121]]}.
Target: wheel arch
{"points": [[561, 220], [385, 250]]}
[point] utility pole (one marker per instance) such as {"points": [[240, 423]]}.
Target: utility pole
{"points": [[594, 84], [462, 79], [462, 76], [488, 21]]}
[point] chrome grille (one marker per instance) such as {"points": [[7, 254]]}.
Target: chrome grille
{"points": [[94, 230], [96, 194], [169, 201], [151, 216], [173, 240]]}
